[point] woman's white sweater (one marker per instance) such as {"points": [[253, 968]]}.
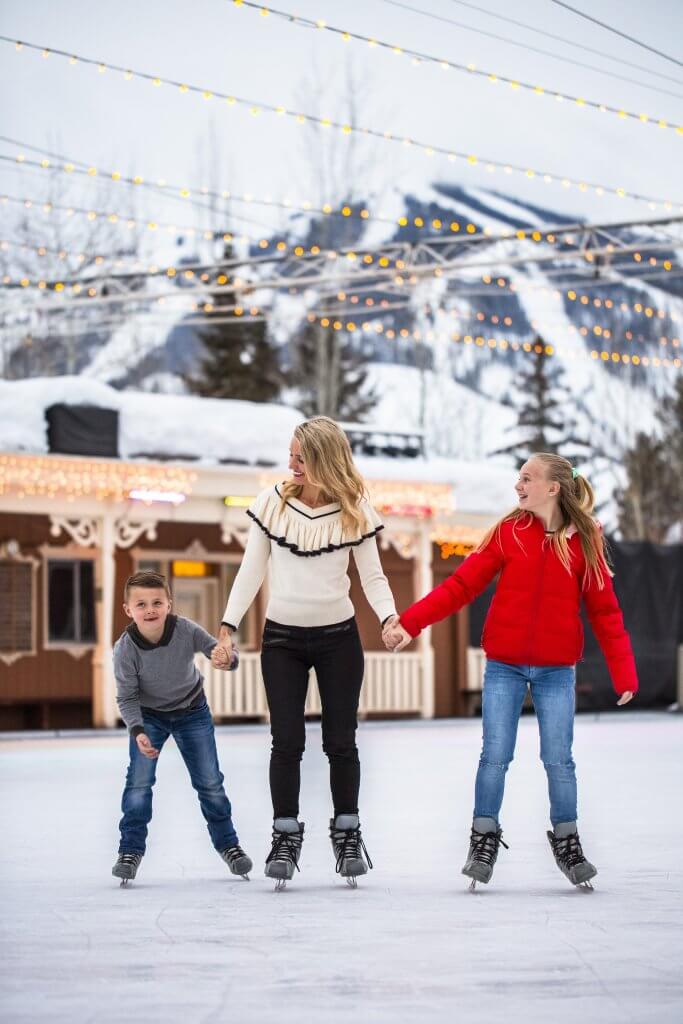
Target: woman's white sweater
{"points": [[309, 557]]}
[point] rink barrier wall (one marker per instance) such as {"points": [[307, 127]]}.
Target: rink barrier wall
{"points": [[392, 685]]}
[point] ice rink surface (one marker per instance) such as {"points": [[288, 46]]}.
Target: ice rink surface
{"points": [[189, 943]]}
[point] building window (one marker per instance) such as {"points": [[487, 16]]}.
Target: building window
{"points": [[70, 602], [16, 607]]}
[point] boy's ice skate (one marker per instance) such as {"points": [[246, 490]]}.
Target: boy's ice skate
{"points": [[288, 835], [126, 867], [566, 846], [237, 860], [348, 847], [486, 839]]}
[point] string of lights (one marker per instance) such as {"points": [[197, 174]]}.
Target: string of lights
{"points": [[228, 313], [180, 191], [497, 345], [375, 276], [548, 35], [419, 57], [256, 108]]}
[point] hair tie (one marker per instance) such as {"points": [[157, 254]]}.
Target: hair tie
{"points": [[575, 473]]}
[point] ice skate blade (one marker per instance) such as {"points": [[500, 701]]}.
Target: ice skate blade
{"points": [[280, 885], [473, 885], [352, 882], [123, 884], [588, 886]]}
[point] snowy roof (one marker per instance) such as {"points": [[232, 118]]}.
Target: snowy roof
{"points": [[213, 431], [177, 426]]}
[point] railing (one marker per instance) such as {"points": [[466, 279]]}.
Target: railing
{"points": [[393, 684]]}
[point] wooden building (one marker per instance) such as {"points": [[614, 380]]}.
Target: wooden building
{"points": [[74, 526]]}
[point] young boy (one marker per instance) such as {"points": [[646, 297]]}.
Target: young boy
{"points": [[160, 693]]}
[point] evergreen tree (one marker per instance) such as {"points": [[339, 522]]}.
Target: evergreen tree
{"points": [[239, 360], [650, 504], [546, 420], [330, 375]]}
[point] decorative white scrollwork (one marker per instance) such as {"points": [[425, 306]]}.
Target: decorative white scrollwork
{"points": [[127, 533], [84, 532], [403, 542], [230, 532]]}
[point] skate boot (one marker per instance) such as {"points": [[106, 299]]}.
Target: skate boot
{"points": [[348, 847], [126, 867], [485, 840], [237, 860], [288, 835], [566, 846]]}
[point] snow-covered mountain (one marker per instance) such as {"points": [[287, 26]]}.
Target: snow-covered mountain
{"points": [[444, 351]]}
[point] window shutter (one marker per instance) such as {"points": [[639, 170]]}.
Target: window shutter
{"points": [[16, 607]]}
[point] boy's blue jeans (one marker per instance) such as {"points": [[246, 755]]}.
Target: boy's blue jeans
{"points": [[552, 691], [194, 736]]}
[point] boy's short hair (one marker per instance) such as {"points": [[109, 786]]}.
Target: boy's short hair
{"points": [[148, 579]]}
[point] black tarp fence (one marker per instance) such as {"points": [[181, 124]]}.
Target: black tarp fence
{"points": [[82, 430], [648, 581]]}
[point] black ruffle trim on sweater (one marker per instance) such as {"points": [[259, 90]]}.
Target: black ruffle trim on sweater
{"points": [[295, 549]]}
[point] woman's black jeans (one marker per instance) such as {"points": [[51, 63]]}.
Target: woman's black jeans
{"points": [[287, 654]]}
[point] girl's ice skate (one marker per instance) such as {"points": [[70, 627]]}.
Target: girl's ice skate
{"points": [[288, 835], [486, 839], [126, 867], [237, 860], [348, 847], [569, 857]]}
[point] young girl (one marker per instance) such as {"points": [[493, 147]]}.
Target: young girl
{"points": [[306, 528], [549, 553]]}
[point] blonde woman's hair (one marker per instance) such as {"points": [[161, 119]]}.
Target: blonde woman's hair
{"points": [[327, 456], [576, 501]]}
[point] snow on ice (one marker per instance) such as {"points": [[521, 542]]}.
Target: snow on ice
{"points": [[187, 942]]}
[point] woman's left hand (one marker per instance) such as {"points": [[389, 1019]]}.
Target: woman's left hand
{"points": [[626, 696]]}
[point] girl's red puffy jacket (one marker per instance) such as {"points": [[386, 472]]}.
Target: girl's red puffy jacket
{"points": [[534, 616]]}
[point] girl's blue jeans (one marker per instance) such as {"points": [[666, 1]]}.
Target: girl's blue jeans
{"points": [[194, 736], [552, 692]]}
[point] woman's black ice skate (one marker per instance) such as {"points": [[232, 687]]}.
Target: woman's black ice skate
{"points": [[566, 846], [486, 839], [353, 858], [126, 867], [288, 835], [237, 860]]}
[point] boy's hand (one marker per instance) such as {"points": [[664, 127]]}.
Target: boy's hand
{"points": [[221, 656], [626, 696], [145, 747], [225, 659]]}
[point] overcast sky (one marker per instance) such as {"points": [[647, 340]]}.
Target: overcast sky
{"points": [[161, 133]]}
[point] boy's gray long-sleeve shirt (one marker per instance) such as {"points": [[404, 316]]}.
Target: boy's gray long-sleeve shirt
{"points": [[161, 677]]}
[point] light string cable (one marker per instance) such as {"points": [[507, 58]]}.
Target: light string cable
{"points": [[545, 53], [180, 192], [79, 167], [161, 187], [403, 272], [256, 108], [353, 302], [495, 345], [618, 32], [47, 207], [471, 69]]}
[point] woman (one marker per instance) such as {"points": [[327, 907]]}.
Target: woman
{"points": [[306, 527], [549, 553]]}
